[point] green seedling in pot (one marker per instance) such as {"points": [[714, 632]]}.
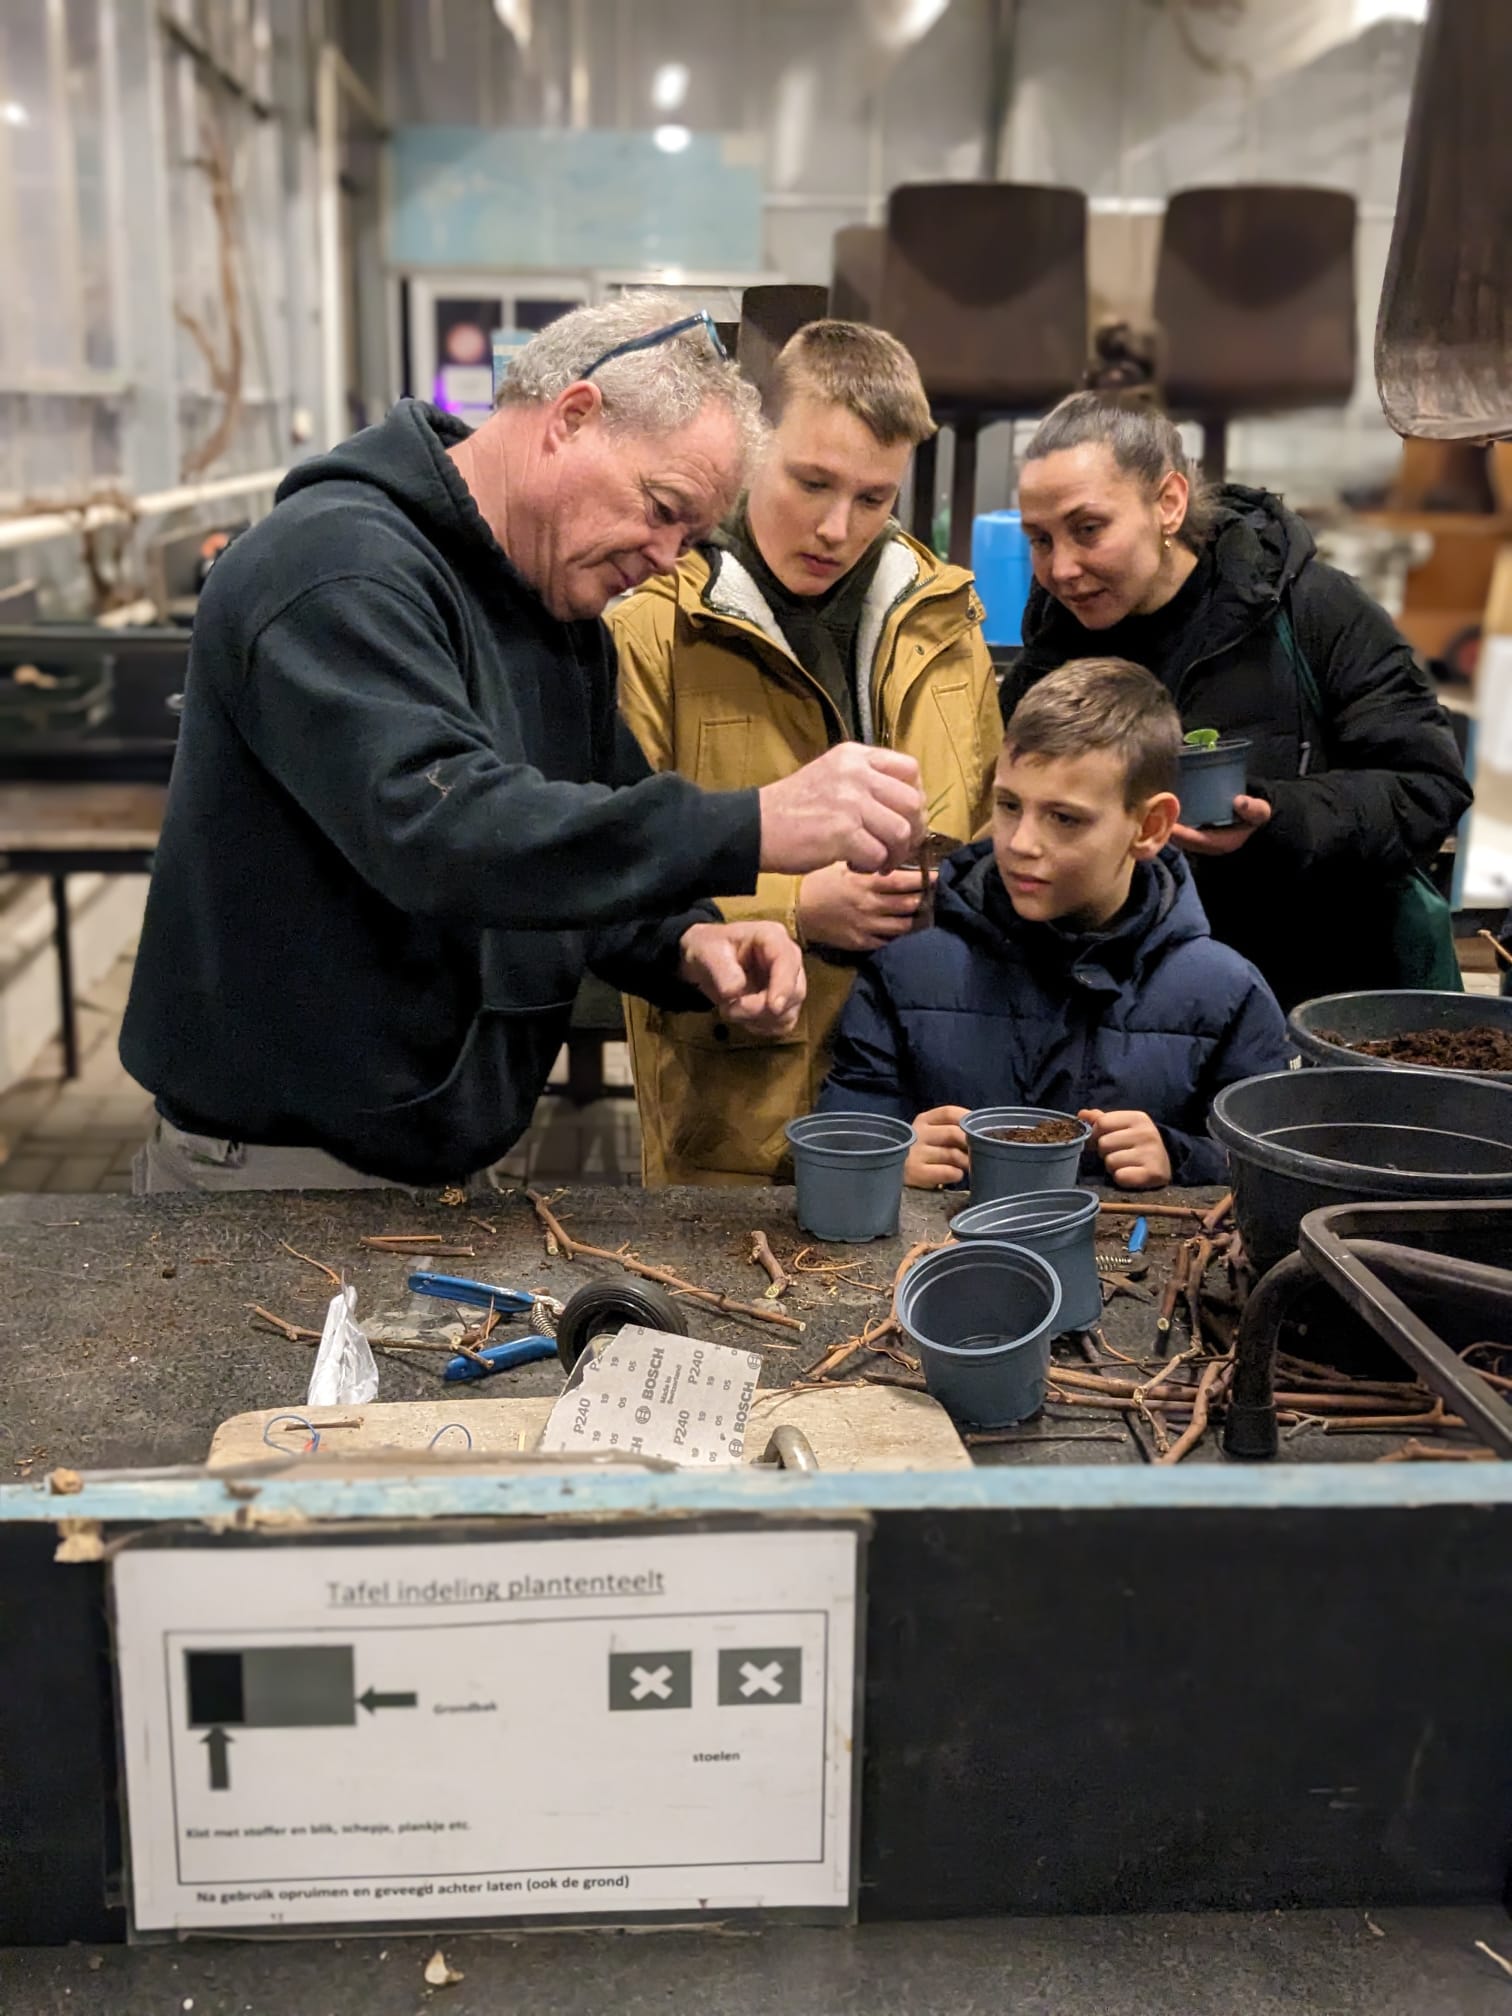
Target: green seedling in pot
{"points": [[1201, 738]]}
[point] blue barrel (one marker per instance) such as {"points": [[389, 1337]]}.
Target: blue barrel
{"points": [[1004, 575]]}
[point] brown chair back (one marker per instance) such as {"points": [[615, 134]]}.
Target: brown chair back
{"points": [[769, 316], [986, 283], [1255, 297]]}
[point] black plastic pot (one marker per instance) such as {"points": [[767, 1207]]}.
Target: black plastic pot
{"points": [[1301, 1140], [1365, 1018]]}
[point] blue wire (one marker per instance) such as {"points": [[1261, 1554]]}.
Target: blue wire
{"points": [[309, 1427], [461, 1428]]}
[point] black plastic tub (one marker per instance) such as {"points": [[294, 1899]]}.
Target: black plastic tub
{"points": [[1301, 1140], [1367, 1018]]}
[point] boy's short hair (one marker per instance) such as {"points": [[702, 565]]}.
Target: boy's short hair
{"points": [[864, 370], [1103, 703]]}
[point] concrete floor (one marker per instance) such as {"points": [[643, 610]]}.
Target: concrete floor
{"points": [[1324, 1963]]}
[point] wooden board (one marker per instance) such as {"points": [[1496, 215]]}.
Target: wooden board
{"points": [[850, 1428], [127, 817]]}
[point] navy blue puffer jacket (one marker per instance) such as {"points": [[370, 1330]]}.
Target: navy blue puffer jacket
{"points": [[1150, 1016]]}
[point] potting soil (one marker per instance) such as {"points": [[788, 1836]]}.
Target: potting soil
{"points": [[1443, 1049], [1046, 1131]]}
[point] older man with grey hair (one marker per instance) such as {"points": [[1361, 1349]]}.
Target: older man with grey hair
{"points": [[404, 816]]}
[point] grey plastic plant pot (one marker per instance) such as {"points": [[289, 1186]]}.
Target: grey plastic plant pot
{"points": [[981, 1317], [1392, 1011], [1298, 1141], [1010, 1168], [1059, 1225], [848, 1168], [1211, 779]]}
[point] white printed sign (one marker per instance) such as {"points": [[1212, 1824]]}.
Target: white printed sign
{"points": [[567, 1726]]}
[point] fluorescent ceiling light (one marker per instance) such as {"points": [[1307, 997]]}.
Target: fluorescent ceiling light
{"points": [[13, 113], [673, 139], [669, 87]]}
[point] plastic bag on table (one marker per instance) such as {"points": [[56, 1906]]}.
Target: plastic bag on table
{"points": [[346, 1373]]}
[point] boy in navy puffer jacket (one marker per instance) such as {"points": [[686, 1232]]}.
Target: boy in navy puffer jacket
{"points": [[1070, 965]]}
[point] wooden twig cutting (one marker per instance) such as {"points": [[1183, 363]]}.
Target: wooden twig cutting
{"points": [[572, 1249], [1122, 1210], [762, 1256], [319, 1265], [295, 1332], [1196, 1428], [1214, 1218]]}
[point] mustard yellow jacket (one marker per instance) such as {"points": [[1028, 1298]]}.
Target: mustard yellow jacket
{"points": [[710, 689]]}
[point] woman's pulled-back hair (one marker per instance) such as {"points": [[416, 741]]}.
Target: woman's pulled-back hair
{"points": [[1144, 443]]}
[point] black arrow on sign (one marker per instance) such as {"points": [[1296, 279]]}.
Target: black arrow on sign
{"points": [[373, 1700], [218, 1743]]}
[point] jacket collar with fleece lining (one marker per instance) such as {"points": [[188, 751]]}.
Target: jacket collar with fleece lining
{"points": [[732, 591]]}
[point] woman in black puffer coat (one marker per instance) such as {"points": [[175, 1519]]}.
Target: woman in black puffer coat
{"points": [[1354, 776]]}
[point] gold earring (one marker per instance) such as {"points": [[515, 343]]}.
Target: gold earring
{"points": [[1166, 541]]}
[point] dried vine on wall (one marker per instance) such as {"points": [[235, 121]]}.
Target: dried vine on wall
{"points": [[225, 368]]}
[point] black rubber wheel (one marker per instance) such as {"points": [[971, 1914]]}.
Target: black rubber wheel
{"points": [[602, 1306]]}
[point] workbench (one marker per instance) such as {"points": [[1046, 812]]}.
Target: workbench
{"points": [[138, 1337], [1090, 1684]]}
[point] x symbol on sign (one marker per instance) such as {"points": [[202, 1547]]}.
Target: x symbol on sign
{"points": [[658, 1682], [756, 1679]]}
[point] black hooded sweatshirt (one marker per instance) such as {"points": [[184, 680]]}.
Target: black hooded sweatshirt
{"points": [[404, 817], [1359, 797]]}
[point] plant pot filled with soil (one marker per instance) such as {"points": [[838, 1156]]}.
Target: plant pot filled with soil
{"points": [[1407, 1029], [1015, 1149], [1214, 771]]}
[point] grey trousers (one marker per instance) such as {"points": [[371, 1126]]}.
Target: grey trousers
{"points": [[170, 1159]]}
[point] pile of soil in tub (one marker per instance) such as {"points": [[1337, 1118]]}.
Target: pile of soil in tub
{"points": [[1046, 1131], [1444, 1049]]}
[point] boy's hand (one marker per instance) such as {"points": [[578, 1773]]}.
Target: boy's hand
{"points": [[1132, 1151], [940, 1155], [857, 913]]}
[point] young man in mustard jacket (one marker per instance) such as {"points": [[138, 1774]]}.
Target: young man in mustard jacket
{"points": [[811, 619]]}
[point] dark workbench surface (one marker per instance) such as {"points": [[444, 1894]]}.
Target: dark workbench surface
{"points": [[126, 1337]]}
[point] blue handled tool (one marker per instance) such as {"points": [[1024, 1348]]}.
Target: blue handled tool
{"points": [[1139, 1235], [457, 1288], [501, 1358]]}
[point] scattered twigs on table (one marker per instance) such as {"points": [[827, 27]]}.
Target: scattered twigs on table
{"points": [[1196, 1428], [1390, 1424], [1039, 1431], [1092, 1344], [762, 1256], [295, 1332], [560, 1241], [1172, 1365], [1173, 1289], [319, 1265], [1199, 1252], [438, 1243], [1111, 1403], [1117, 1208], [1436, 1452], [1213, 1219], [870, 1338]]}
